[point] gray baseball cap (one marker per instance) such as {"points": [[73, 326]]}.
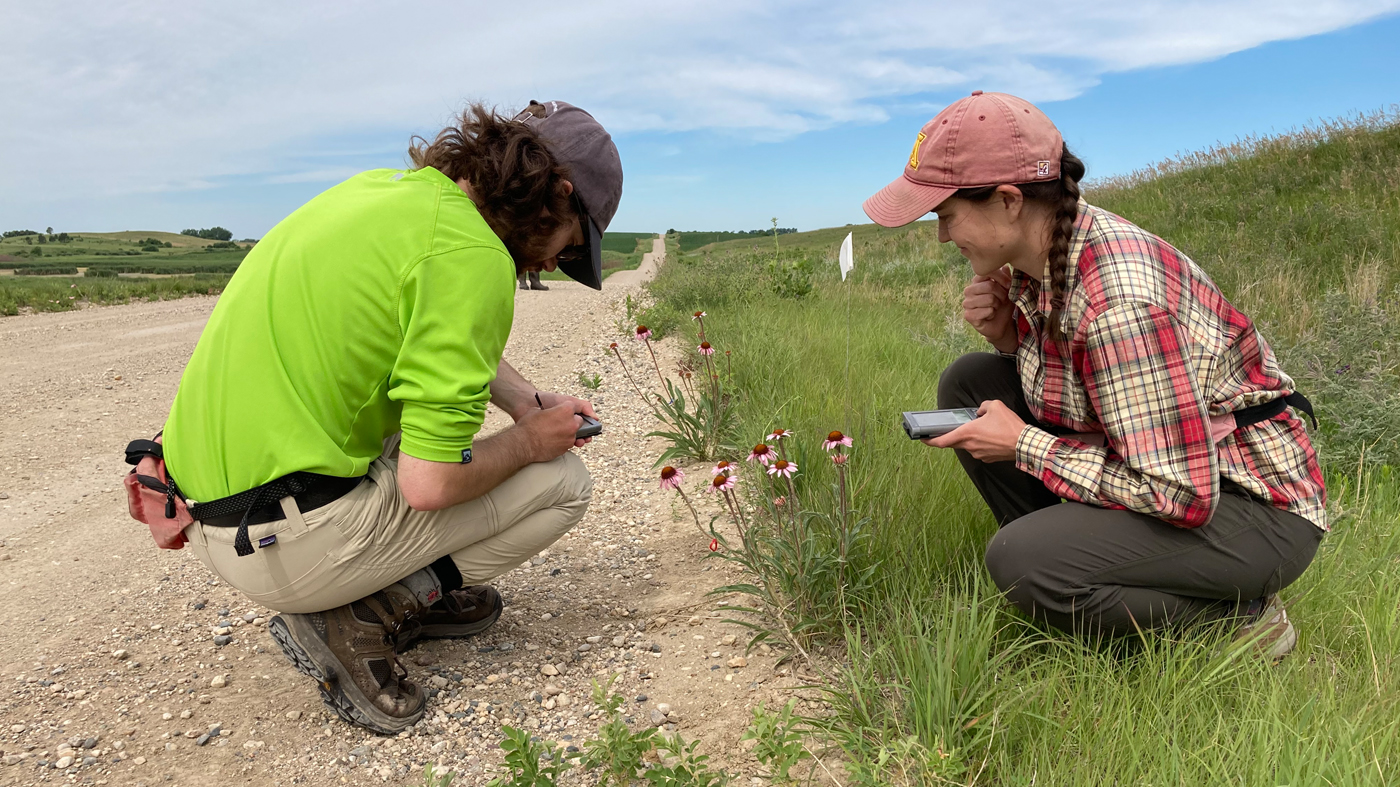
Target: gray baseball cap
{"points": [[595, 169]]}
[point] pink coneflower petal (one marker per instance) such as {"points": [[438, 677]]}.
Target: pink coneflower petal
{"points": [[671, 478], [835, 439], [723, 467], [840, 459], [722, 483], [761, 453], [778, 434], [643, 333], [779, 502], [783, 468], [706, 349]]}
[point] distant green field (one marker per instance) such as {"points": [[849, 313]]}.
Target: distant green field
{"points": [[690, 241], [626, 242]]}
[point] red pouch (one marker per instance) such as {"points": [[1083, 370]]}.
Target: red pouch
{"points": [[152, 497]]}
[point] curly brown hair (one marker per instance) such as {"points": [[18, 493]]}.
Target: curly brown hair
{"points": [[1062, 197], [516, 182]]}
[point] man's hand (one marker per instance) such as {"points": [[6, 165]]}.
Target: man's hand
{"points": [[581, 406], [991, 437], [550, 431], [987, 308]]}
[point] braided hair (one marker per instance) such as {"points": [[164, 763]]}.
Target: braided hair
{"points": [[1062, 197]]}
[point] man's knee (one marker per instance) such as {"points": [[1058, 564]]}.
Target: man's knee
{"points": [[964, 382]]}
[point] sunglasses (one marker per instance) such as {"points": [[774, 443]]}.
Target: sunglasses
{"points": [[571, 254]]}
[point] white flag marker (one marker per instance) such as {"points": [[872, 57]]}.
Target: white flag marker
{"points": [[848, 262]]}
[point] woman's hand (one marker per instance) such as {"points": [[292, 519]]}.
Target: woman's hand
{"points": [[991, 437], [987, 308]]}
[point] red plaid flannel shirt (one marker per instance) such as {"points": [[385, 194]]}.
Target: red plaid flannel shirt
{"points": [[1152, 350]]}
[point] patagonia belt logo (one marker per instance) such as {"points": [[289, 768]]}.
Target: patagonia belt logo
{"points": [[466, 456], [914, 154], [1042, 169], [266, 541]]}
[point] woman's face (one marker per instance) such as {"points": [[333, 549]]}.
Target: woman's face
{"points": [[987, 233]]}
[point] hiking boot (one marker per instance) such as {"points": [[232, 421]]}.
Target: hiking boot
{"points": [[459, 614], [535, 282], [524, 282], [1270, 632], [349, 651]]}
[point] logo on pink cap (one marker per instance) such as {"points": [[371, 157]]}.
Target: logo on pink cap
{"points": [[986, 139]]}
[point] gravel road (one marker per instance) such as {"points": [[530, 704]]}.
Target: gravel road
{"points": [[109, 668]]}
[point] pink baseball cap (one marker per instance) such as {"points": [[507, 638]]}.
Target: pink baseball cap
{"points": [[986, 139]]}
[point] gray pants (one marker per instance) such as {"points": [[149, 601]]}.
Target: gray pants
{"points": [[1084, 568]]}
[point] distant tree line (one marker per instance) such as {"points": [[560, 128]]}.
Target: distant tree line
{"points": [[740, 234], [30, 236], [213, 233]]}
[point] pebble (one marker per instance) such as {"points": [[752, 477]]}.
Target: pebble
{"points": [[657, 718], [549, 669], [729, 639], [218, 682], [551, 690], [63, 762], [293, 715], [423, 659], [249, 617], [664, 707], [222, 640], [89, 743], [16, 728], [120, 654], [184, 714], [139, 761], [738, 662]]}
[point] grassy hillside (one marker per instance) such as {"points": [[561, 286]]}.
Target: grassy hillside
{"points": [[942, 684]]}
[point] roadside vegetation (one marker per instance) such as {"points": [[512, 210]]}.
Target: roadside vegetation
{"points": [[933, 680]]}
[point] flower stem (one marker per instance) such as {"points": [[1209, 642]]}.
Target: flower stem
{"points": [[631, 380], [655, 364], [692, 511]]}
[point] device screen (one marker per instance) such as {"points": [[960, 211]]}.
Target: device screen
{"points": [[944, 418]]}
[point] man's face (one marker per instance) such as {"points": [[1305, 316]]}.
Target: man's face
{"points": [[542, 254]]}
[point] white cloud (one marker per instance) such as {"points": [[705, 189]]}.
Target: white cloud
{"points": [[113, 98]]}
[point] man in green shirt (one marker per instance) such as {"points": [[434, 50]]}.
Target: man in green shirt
{"points": [[325, 430]]}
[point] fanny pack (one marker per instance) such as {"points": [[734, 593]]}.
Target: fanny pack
{"points": [[154, 498]]}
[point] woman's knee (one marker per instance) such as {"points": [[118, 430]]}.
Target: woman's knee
{"points": [[969, 381]]}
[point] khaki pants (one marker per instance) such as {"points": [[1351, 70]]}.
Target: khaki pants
{"points": [[370, 538]]}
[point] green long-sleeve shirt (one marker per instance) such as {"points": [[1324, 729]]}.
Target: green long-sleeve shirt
{"points": [[382, 304]]}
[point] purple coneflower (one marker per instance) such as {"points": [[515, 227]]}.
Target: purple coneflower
{"points": [[840, 459], [643, 333], [723, 467], [722, 483], [706, 349], [834, 440], [783, 468], [699, 316], [671, 478], [778, 435], [761, 453]]}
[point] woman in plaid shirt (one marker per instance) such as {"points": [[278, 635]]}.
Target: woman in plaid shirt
{"points": [[1133, 438]]}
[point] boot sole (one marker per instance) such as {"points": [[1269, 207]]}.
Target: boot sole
{"points": [[301, 645]]}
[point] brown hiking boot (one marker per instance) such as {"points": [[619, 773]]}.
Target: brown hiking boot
{"points": [[459, 614], [349, 651], [1270, 632]]}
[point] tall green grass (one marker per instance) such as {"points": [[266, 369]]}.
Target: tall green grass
{"points": [[55, 293], [941, 682]]}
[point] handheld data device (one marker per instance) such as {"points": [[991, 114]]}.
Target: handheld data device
{"points": [[923, 424], [590, 427]]}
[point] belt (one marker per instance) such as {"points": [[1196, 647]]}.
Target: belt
{"points": [[261, 504]]}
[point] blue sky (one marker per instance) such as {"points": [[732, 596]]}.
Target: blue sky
{"points": [[165, 115]]}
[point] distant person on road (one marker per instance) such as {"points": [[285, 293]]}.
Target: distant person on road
{"points": [[1134, 441], [530, 280], [327, 421]]}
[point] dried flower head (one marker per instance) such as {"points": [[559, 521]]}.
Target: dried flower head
{"points": [[783, 468], [762, 453], [643, 333], [840, 459], [834, 440], [671, 478], [706, 349]]}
